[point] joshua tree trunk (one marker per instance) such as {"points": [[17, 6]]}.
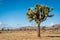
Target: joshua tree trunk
{"points": [[39, 30]]}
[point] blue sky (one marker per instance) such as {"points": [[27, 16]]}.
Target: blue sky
{"points": [[13, 12]]}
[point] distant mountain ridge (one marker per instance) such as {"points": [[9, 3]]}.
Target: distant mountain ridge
{"points": [[35, 27]]}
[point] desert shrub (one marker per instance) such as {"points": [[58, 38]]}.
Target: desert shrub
{"points": [[2, 29], [44, 28], [0, 32], [56, 28]]}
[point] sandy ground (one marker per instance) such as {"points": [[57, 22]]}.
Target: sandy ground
{"points": [[29, 35]]}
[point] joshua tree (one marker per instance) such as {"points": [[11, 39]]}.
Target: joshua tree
{"points": [[39, 14]]}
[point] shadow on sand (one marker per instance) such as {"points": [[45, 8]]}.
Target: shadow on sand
{"points": [[53, 36]]}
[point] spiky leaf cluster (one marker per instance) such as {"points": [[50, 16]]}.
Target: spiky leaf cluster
{"points": [[39, 14]]}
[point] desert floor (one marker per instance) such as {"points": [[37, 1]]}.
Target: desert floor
{"points": [[29, 35]]}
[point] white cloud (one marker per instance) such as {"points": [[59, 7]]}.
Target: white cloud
{"points": [[51, 24], [1, 23]]}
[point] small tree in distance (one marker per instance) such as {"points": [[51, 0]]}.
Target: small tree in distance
{"points": [[39, 14]]}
